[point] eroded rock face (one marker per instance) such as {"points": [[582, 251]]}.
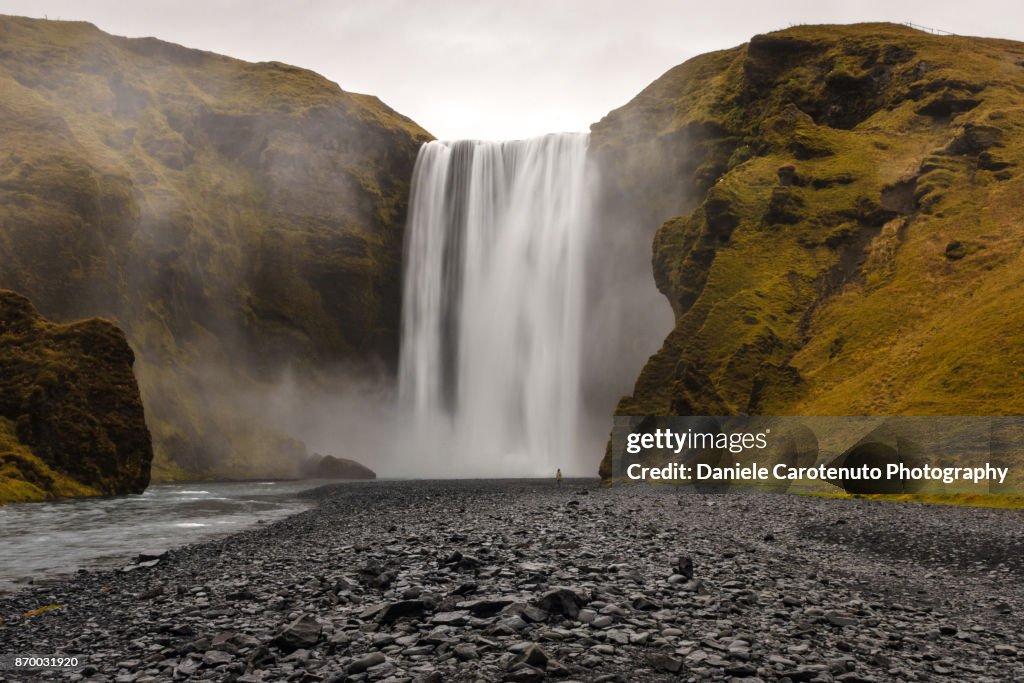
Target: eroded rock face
{"points": [[71, 420], [826, 198], [235, 218]]}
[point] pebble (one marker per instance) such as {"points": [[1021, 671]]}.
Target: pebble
{"points": [[387, 581]]}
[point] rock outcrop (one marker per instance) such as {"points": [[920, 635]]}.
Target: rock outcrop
{"points": [[236, 219], [332, 467], [841, 213], [71, 419]]}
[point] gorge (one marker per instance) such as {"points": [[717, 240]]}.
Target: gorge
{"points": [[790, 271], [825, 212]]}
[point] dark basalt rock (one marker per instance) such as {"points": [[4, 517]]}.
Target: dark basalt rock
{"points": [[564, 601], [304, 632], [404, 609], [759, 611], [684, 566], [331, 467]]}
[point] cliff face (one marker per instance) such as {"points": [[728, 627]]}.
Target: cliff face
{"points": [[236, 219], [842, 217], [71, 420]]}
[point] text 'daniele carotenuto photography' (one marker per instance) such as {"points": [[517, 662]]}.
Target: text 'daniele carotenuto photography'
{"points": [[586, 341]]}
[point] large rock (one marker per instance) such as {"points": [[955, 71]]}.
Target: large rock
{"points": [[807, 186], [331, 467], [71, 420], [240, 221], [304, 632], [563, 601]]}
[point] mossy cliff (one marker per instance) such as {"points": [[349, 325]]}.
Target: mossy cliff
{"points": [[236, 219], [842, 222], [71, 419]]}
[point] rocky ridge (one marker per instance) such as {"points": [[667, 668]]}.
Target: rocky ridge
{"points": [[839, 211], [236, 220]]}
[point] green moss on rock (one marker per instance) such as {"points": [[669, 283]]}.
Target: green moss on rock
{"points": [[71, 418], [895, 228], [230, 215]]}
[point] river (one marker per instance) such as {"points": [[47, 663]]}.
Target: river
{"points": [[40, 541]]}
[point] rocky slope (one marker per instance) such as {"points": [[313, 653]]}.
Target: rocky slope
{"points": [[841, 213], [71, 419], [234, 218]]}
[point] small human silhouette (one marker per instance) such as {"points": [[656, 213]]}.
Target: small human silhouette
{"points": [[558, 477]]}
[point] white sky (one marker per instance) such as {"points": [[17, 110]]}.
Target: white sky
{"points": [[497, 68]]}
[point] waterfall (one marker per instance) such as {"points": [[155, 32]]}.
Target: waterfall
{"points": [[489, 370]]}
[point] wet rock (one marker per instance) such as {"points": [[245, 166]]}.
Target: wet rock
{"points": [[150, 555], [466, 651], [457, 618], [524, 674], [564, 601], [853, 677], [486, 607], [534, 655], [667, 663], [645, 604], [153, 592], [240, 595], [741, 670], [304, 632], [684, 567], [804, 673], [466, 588], [374, 576], [216, 658], [361, 664], [530, 613], [405, 609]]}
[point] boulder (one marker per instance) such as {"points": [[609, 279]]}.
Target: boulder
{"points": [[331, 467], [71, 418], [564, 601], [304, 633]]}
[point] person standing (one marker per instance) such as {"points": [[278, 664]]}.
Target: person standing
{"points": [[558, 477]]}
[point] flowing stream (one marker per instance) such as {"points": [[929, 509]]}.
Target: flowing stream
{"points": [[40, 541], [492, 321]]}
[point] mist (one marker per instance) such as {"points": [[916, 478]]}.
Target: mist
{"points": [[253, 256]]}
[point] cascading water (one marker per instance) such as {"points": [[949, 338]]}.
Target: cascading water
{"points": [[492, 308]]}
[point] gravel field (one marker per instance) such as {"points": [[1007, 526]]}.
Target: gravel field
{"points": [[522, 581]]}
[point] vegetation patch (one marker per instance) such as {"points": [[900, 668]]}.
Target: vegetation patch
{"points": [[71, 418], [237, 220], [868, 173]]}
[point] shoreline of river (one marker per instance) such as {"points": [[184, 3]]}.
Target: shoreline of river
{"points": [[424, 581]]}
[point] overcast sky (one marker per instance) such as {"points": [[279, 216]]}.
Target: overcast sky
{"points": [[497, 68]]}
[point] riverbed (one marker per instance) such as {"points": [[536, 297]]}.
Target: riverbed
{"points": [[466, 581], [42, 541]]}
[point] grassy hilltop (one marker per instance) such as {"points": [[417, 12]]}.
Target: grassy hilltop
{"points": [[842, 222], [236, 219]]}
